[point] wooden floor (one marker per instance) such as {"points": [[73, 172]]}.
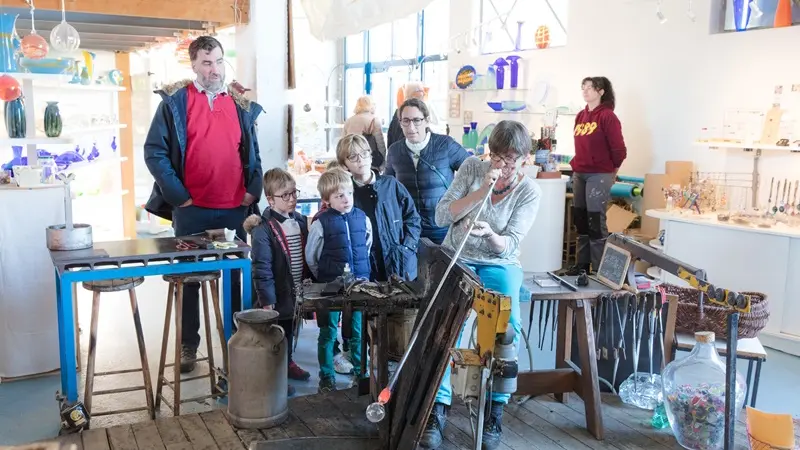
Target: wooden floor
{"points": [[540, 423]]}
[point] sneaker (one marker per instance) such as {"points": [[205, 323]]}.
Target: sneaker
{"points": [[188, 356], [296, 373], [342, 364], [432, 435], [492, 428], [327, 385], [575, 270]]}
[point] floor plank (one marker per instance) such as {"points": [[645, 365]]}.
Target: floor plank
{"points": [[274, 433], [68, 440], [576, 431], [171, 433], [249, 436], [355, 412], [455, 418], [197, 433], [121, 437], [147, 437], [222, 431], [295, 427], [511, 436], [95, 439], [528, 419]]}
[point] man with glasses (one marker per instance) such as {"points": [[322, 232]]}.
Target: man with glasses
{"points": [[203, 153]]}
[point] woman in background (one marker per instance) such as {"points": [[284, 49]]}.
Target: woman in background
{"points": [[366, 124], [425, 163], [599, 152]]}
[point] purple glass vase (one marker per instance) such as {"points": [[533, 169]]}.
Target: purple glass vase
{"points": [[501, 63], [514, 65]]}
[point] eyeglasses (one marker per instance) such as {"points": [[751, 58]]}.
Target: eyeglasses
{"points": [[359, 156], [417, 121], [508, 161], [288, 196]]}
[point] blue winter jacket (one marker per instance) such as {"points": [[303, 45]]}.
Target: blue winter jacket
{"points": [[398, 227], [344, 242], [428, 182], [165, 148]]}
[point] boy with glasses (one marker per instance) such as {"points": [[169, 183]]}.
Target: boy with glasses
{"points": [[278, 254]]}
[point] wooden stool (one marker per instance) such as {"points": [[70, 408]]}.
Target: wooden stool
{"points": [[175, 295], [121, 284]]}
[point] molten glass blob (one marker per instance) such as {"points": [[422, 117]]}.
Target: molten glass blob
{"points": [[375, 412], [34, 46], [9, 88], [65, 37]]}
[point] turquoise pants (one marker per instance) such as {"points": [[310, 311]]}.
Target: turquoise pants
{"points": [[506, 280], [327, 337]]}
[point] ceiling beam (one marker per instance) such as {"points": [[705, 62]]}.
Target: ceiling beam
{"points": [[217, 11], [95, 36], [98, 28]]}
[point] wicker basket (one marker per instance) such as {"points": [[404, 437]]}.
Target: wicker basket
{"points": [[692, 318]]}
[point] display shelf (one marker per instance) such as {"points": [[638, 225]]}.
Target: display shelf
{"points": [[36, 141], [533, 113], [87, 87], [14, 187], [753, 146], [97, 162], [40, 77], [94, 129], [102, 195], [489, 90]]}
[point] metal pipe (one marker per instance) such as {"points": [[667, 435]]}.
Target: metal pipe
{"points": [[386, 393]]}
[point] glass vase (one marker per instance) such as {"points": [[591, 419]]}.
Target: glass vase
{"points": [[741, 14], [14, 115], [8, 59], [694, 396], [52, 120]]}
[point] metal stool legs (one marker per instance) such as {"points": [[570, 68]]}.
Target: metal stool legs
{"points": [[89, 391], [175, 297]]}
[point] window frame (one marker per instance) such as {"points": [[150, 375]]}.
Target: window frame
{"points": [[370, 67]]}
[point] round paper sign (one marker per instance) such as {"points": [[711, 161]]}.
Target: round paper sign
{"points": [[465, 77]]}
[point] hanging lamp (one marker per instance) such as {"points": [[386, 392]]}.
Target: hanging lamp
{"points": [[33, 45], [64, 37]]}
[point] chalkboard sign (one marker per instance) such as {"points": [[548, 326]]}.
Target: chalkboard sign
{"points": [[614, 266]]}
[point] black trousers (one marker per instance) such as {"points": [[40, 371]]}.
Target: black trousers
{"points": [[192, 220], [288, 330]]}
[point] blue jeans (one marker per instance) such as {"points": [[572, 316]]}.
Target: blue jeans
{"points": [[506, 280]]}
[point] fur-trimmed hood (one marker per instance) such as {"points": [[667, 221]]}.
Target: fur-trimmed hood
{"points": [[252, 222], [172, 88]]}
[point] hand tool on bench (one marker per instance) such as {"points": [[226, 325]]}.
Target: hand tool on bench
{"points": [[620, 347], [549, 305], [598, 305], [651, 330], [659, 307], [638, 324], [376, 411]]}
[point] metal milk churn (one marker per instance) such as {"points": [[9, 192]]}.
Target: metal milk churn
{"points": [[258, 379]]}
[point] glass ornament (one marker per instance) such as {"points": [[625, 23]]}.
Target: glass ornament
{"points": [[9, 88], [64, 37], [34, 46]]}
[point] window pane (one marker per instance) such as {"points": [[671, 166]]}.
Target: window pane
{"points": [[497, 37], [354, 88], [382, 95], [354, 46], [380, 43], [437, 27], [405, 41]]}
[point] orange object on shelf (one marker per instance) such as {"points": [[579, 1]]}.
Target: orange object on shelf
{"points": [[542, 38]]}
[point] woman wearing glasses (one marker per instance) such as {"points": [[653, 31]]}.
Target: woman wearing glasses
{"points": [[492, 248], [425, 163]]}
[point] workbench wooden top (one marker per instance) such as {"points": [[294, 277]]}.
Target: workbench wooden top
{"points": [[593, 290]]}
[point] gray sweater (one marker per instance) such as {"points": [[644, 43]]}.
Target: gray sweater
{"points": [[512, 217]]}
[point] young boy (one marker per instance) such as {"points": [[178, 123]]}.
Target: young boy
{"points": [[396, 225], [341, 235], [278, 241]]}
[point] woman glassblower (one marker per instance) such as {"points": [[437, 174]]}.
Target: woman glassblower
{"points": [[599, 152]]}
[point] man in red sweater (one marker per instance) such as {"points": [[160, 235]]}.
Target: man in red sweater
{"points": [[203, 153]]}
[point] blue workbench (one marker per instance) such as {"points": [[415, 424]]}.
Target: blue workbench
{"points": [[139, 258]]}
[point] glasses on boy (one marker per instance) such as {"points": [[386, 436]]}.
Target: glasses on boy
{"points": [[288, 196]]}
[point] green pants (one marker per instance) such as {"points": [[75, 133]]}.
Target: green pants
{"points": [[327, 337]]}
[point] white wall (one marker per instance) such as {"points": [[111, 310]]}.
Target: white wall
{"points": [[671, 80]]}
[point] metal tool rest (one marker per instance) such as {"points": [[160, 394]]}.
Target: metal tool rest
{"points": [[175, 296], [116, 285]]}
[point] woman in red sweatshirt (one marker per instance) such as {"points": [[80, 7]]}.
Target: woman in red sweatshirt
{"points": [[599, 152]]}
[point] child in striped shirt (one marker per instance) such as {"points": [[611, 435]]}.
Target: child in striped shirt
{"points": [[278, 253]]}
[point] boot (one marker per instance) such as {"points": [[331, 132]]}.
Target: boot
{"points": [[492, 428], [432, 436]]}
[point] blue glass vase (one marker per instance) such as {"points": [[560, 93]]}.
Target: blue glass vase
{"points": [[14, 113], [52, 120], [8, 57], [741, 14]]}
